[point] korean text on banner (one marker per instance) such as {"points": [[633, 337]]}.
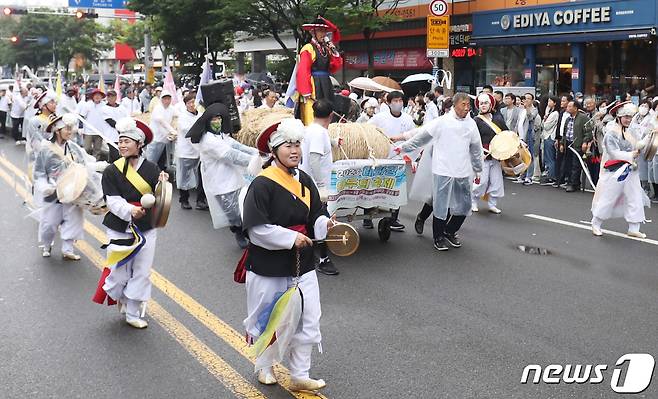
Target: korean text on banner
{"points": [[359, 183]]}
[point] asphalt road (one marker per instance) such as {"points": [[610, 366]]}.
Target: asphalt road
{"points": [[400, 321]]}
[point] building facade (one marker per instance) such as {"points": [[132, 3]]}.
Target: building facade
{"points": [[607, 48]]}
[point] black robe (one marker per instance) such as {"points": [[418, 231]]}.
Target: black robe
{"points": [[486, 132], [115, 183], [267, 202]]}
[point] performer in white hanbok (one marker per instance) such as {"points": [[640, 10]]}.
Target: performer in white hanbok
{"points": [[45, 105], [129, 226], [53, 159], [282, 212], [456, 160], [619, 192], [491, 185], [224, 163]]}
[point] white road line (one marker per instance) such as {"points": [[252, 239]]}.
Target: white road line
{"points": [[580, 226]]}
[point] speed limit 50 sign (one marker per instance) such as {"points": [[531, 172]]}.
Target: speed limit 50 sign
{"points": [[438, 8]]}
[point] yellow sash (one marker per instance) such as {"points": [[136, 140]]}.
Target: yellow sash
{"points": [[288, 182], [491, 124], [133, 177]]}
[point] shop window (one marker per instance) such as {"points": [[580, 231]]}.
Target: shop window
{"points": [[500, 66], [620, 67]]}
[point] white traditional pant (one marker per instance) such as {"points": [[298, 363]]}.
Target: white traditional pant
{"points": [[261, 291], [614, 198], [68, 218], [131, 283], [491, 182]]}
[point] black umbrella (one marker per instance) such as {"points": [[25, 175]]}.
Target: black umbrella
{"points": [[259, 77]]}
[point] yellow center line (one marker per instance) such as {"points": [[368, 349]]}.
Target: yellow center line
{"points": [[217, 326], [221, 370]]}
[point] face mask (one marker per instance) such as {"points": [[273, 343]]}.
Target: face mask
{"points": [[395, 108], [216, 126], [644, 111]]}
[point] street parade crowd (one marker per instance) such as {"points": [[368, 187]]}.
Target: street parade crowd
{"points": [[120, 143]]}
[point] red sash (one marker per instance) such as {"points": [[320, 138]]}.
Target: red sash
{"points": [[240, 273]]}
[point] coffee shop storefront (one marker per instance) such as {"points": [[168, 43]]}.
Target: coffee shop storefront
{"points": [[601, 48]]}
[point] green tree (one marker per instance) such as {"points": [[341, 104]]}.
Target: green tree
{"points": [[42, 38], [181, 27]]}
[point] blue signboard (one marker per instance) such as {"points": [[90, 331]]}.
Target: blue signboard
{"points": [[574, 17], [118, 4]]}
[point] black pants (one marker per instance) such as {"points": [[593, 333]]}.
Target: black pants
{"points": [[425, 212], [451, 225], [3, 122], [16, 123], [571, 166], [184, 195]]}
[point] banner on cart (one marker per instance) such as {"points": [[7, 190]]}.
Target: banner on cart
{"points": [[367, 184]]}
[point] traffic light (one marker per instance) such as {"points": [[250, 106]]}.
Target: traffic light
{"points": [[14, 39], [79, 14], [13, 11]]}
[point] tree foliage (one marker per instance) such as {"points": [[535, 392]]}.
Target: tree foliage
{"points": [[39, 36], [181, 27]]}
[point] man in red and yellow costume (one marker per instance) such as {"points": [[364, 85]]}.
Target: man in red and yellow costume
{"points": [[317, 60]]}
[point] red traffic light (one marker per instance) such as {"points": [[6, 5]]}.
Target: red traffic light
{"points": [[79, 14], [13, 39], [13, 11]]}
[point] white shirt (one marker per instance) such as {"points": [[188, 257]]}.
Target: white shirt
{"points": [[317, 141], [161, 122], [4, 102], [131, 107], [184, 146], [391, 125], [115, 113], [431, 112], [18, 106], [453, 139], [93, 113]]}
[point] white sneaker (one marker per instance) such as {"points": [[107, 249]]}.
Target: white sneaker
{"points": [[18, 142], [45, 252], [636, 234], [495, 210], [137, 323], [70, 256], [474, 208], [518, 180], [306, 384], [266, 376], [597, 231]]}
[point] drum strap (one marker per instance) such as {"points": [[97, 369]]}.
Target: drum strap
{"points": [[490, 123], [133, 177], [62, 153]]}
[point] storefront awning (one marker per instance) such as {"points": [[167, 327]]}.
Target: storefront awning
{"points": [[576, 37]]}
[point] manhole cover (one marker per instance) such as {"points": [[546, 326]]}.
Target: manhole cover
{"points": [[533, 250]]}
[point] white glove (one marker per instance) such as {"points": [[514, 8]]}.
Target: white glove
{"points": [[100, 166], [172, 136], [642, 143], [49, 190]]}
